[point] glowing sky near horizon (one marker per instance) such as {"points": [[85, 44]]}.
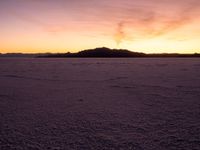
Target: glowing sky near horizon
{"points": [[151, 26]]}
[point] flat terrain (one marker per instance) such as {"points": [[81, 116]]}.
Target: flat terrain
{"points": [[100, 104]]}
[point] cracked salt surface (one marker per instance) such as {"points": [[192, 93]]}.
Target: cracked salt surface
{"points": [[136, 104]]}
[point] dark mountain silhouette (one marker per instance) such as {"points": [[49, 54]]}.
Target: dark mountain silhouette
{"points": [[99, 52], [25, 55], [21, 55], [106, 52], [112, 53]]}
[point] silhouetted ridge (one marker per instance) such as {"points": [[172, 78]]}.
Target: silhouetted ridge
{"points": [[106, 52], [101, 52]]}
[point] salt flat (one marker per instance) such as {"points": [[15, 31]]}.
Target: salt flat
{"points": [[100, 104]]}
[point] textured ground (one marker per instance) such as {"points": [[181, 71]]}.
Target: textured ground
{"points": [[100, 104]]}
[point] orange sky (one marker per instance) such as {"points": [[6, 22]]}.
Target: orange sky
{"points": [[151, 26]]}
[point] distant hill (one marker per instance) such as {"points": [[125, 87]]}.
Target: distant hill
{"points": [[99, 52], [112, 53], [17, 55], [20, 55]]}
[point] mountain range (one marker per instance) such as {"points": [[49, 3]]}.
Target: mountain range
{"points": [[112, 53], [101, 52]]}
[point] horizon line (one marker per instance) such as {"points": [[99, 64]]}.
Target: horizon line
{"points": [[35, 53]]}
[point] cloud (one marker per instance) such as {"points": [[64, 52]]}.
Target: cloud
{"points": [[150, 23], [138, 19], [178, 20], [120, 34]]}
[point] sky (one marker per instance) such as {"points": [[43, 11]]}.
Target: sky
{"points": [[57, 26]]}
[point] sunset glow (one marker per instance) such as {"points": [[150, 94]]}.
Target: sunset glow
{"points": [[151, 26]]}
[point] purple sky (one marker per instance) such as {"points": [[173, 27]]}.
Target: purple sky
{"points": [[50, 25]]}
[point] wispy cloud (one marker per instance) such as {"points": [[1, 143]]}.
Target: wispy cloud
{"points": [[143, 18]]}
